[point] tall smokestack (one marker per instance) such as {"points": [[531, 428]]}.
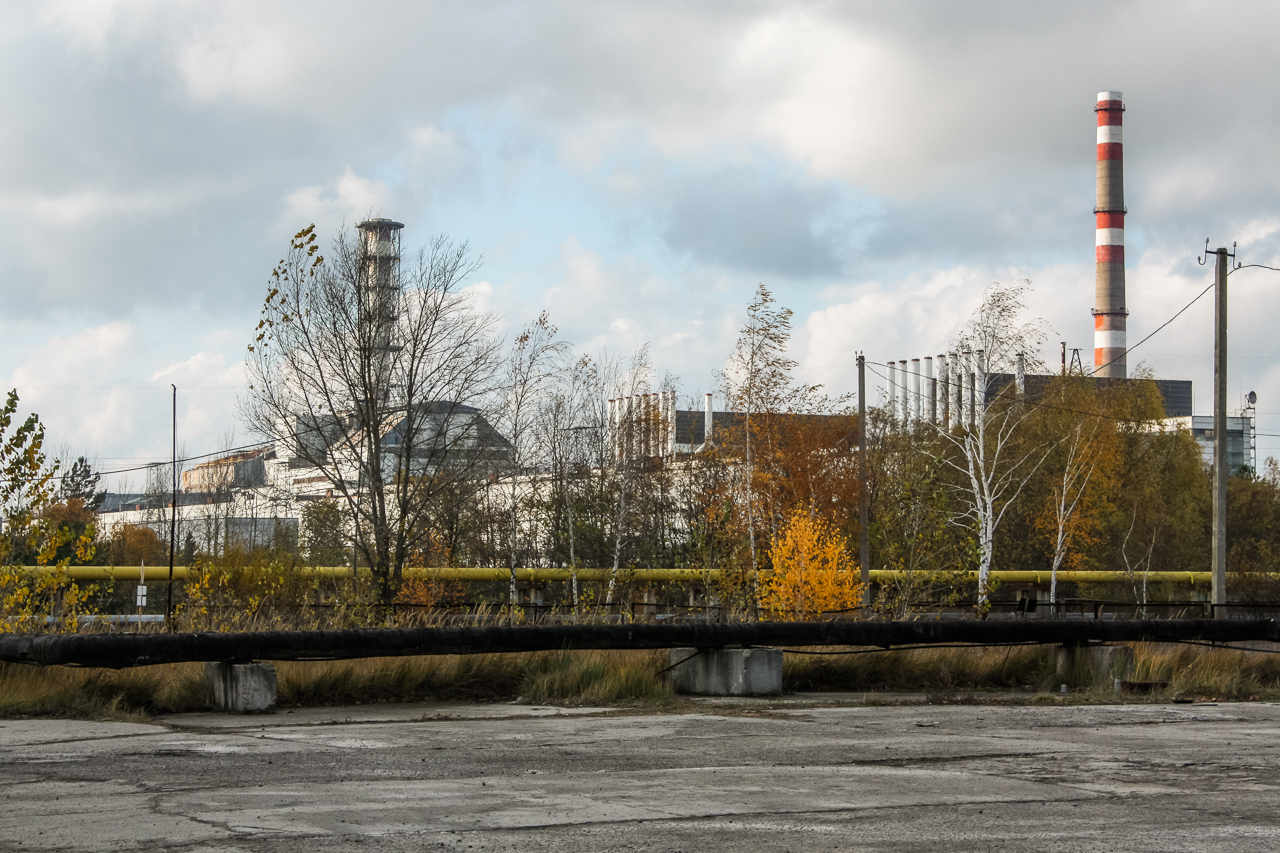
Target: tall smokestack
{"points": [[1109, 308]]}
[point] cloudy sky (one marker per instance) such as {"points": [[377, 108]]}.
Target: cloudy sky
{"points": [[635, 169]]}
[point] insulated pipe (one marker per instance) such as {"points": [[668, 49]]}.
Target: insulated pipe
{"points": [[892, 382], [915, 390], [121, 650], [1109, 312], [930, 390]]}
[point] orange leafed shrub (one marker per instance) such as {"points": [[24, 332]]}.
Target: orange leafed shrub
{"points": [[812, 572], [432, 592]]}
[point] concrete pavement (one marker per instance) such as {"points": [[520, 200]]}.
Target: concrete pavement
{"points": [[706, 776]]}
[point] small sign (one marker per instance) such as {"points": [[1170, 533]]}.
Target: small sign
{"points": [[142, 595]]}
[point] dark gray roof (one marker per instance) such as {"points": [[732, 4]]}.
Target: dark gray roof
{"points": [[691, 426], [1175, 392]]}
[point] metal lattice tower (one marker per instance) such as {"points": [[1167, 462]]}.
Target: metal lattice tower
{"points": [[378, 284]]}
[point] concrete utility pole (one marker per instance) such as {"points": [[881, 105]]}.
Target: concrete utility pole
{"points": [[864, 495], [1219, 563], [173, 518]]}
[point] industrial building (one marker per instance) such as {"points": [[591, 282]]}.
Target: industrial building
{"points": [[962, 386]]}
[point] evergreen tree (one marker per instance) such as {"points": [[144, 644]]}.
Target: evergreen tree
{"points": [[82, 482]]}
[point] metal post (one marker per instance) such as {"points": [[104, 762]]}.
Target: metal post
{"points": [[173, 516], [864, 492], [1219, 562]]}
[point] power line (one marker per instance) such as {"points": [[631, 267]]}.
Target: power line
{"points": [[1153, 334]]}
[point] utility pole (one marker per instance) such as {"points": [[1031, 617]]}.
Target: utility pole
{"points": [[1219, 562], [864, 493], [173, 517]]}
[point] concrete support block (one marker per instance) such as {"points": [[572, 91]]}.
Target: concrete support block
{"points": [[1094, 664], [727, 672], [242, 688]]}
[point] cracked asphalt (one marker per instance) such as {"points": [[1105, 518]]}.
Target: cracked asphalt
{"points": [[705, 776]]}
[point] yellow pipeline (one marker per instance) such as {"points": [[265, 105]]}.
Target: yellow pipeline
{"points": [[160, 573]]}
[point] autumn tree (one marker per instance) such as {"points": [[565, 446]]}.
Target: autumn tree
{"points": [[912, 534], [786, 446], [1072, 417], [812, 571], [1158, 514], [27, 480]]}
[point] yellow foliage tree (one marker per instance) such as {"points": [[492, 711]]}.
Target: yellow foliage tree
{"points": [[813, 572]]}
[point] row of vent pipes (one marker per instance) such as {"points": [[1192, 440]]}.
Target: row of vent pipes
{"points": [[643, 425], [956, 397]]}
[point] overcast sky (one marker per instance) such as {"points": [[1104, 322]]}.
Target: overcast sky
{"points": [[633, 168]]}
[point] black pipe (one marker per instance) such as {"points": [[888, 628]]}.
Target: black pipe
{"points": [[117, 651]]}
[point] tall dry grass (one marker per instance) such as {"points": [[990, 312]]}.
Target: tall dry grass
{"points": [[938, 669], [571, 678], [1191, 671], [621, 677], [105, 694]]}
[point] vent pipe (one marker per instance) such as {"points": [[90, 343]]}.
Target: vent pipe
{"points": [[892, 388], [930, 390]]}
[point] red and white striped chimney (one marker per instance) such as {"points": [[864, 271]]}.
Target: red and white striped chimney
{"points": [[1109, 311]]}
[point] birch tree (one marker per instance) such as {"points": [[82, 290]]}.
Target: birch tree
{"points": [[531, 365], [988, 453]]}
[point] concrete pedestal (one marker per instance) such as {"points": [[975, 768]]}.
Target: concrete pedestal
{"points": [[727, 672], [1094, 664], [242, 688]]}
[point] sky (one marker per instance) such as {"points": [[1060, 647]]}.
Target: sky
{"points": [[635, 169]]}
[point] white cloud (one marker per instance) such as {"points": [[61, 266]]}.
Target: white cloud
{"points": [[349, 198]]}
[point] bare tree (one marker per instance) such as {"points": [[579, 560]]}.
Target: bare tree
{"points": [[629, 457], [531, 367], [376, 378], [570, 438]]}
